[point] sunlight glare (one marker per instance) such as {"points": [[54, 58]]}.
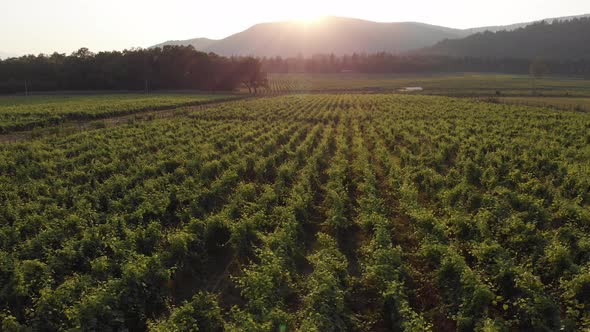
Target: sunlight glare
{"points": [[307, 13], [310, 18]]}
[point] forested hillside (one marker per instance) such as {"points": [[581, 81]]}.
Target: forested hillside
{"points": [[549, 40]]}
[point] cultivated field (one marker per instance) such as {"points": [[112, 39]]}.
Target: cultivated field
{"points": [[27, 112], [572, 104], [303, 213], [462, 85]]}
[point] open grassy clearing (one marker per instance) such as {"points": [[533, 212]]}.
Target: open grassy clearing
{"points": [[27, 112], [312, 212]]}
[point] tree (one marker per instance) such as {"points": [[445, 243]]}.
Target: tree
{"points": [[251, 74]]}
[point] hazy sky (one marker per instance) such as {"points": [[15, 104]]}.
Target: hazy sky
{"points": [[35, 26]]}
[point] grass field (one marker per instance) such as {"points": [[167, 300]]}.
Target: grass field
{"points": [[20, 112], [323, 212], [468, 84]]}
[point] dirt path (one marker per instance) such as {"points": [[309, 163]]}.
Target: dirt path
{"points": [[70, 127]]}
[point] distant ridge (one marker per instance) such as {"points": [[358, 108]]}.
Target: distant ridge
{"points": [[337, 35], [521, 25], [551, 39]]}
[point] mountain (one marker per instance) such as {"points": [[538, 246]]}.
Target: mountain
{"points": [[329, 35], [337, 35], [560, 39]]}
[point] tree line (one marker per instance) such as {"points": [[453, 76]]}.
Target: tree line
{"points": [[392, 63], [167, 68], [182, 67]]}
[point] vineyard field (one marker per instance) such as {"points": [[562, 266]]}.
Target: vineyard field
{"points": [[27, 112], [304, 212], [572, 104], [462, 85]]}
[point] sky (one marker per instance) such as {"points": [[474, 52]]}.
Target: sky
{"points": [[42, 26]]}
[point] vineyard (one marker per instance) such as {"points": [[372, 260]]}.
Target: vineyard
{"points": [[571, 104], [22, 113], [459, 84], [347, 212]]}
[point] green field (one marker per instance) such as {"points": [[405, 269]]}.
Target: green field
{"points": [[27, 112], [324, 212], [468, 84], [572, 104], [19, 113]]}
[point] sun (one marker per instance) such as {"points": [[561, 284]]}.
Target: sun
{"points": [[307, 15], [310, 18]]}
